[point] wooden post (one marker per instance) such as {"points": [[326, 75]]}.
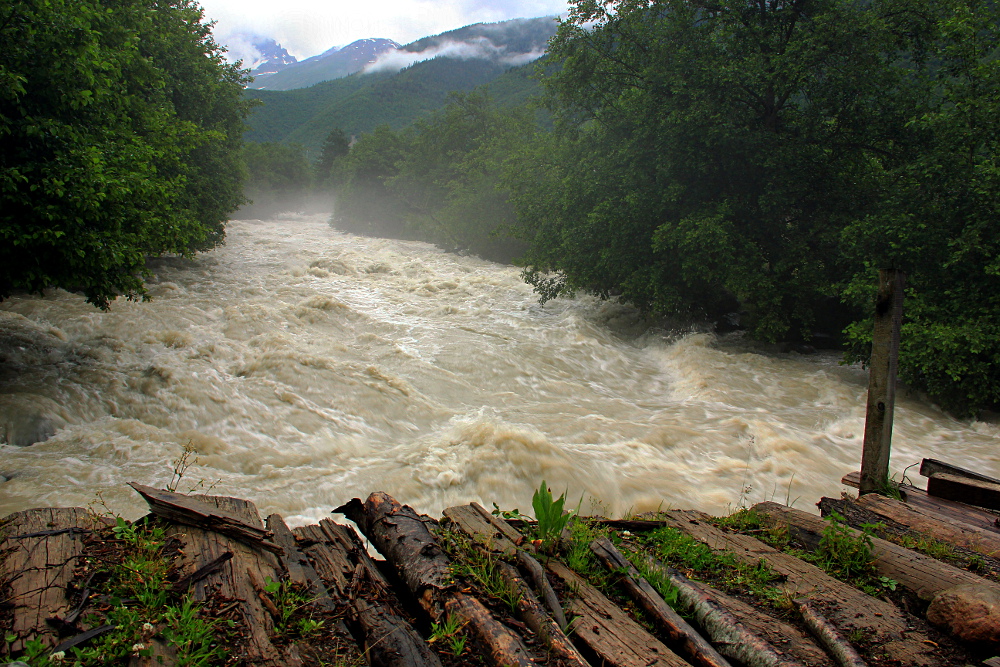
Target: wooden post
{"points": [[882, 380]]}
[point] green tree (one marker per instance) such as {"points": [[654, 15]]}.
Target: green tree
{"points": [[336, 145], [708, 154], [120, 130]]}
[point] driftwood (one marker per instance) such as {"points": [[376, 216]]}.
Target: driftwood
{"points": [[499, 536], [39, 565], [400, 535], [344, 566], [921, 574], [827, 633], [845, 605], [178, 508], [929, 467], [964, 490], [607, 631], [686, 639], [724, 629]]}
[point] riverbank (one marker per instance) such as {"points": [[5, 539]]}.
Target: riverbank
{"points": [[202, 580]]}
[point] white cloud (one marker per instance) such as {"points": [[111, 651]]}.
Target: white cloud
{"points": [[309, 27], [479, 48]]}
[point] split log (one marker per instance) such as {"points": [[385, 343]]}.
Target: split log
{"points": [[607, 631], [919, 520], [827, 633], [851, 609], [497, 535], [921, 574], [946, 509], [300, 570], [532, 614], [231, 580], [686, 639], [39, 565], [400, 535], [725, 631], [344, 565], [187, 510], [964, 490]]}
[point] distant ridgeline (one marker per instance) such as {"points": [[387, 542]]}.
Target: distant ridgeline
{"points": [[374, 81]]}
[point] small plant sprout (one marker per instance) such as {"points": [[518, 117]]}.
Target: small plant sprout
{"points": [[549, 514]]}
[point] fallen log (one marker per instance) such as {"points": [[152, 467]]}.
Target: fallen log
{"points": [[400, 535], [885, 625], [919, 520], [921, 574], [724, 629], [930, 467], [689, 644], [829, 636], [39, 565], [187, 510], [607, 631]]}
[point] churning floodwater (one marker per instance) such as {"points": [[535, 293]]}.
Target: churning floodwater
{"points": [[305, 366]]}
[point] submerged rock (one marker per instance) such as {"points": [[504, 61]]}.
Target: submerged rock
{"points": [[26, 419]]}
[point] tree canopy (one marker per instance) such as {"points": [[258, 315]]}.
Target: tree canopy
{"points": [[120, 134]]}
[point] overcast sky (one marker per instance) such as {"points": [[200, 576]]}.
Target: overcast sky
{"points": [[309, 27]]}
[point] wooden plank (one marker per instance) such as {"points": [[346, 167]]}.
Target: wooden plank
{"points": [[844, 605], [481, 530], [178, 508], [964, 490], [232, 580], [920, 520], [42, 547], [921, 574], [930, 466], [882, 369], [945, 509], [607, 631]]}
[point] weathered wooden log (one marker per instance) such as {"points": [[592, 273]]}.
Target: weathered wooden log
{"points": [[187, 510], [231, 581], [533, 614], [686, 640], [607, 631], [344, 566], [886, 626], [300, 570], [829, 636], [400, 535], [921, 574], [39, 565], [497, 535], [919, 520], [730, 636], [964, 490]]}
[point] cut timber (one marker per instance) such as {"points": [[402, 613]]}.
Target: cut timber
{"points": [[532, 614], [845, 605], [830, 636], [946, 509], [39, 564], [921, 574], [930, 466], [233, 580], [477, 524], [684, 638], [344, 565], [497, 535], [616, 639], [732, 638], [964, 490], [189, 511], [919, 520], [400, 535]]}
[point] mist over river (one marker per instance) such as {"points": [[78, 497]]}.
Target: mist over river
{"points": [[306, 367]]}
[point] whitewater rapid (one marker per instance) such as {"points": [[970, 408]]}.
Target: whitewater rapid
{"points": [[304, 367]]}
